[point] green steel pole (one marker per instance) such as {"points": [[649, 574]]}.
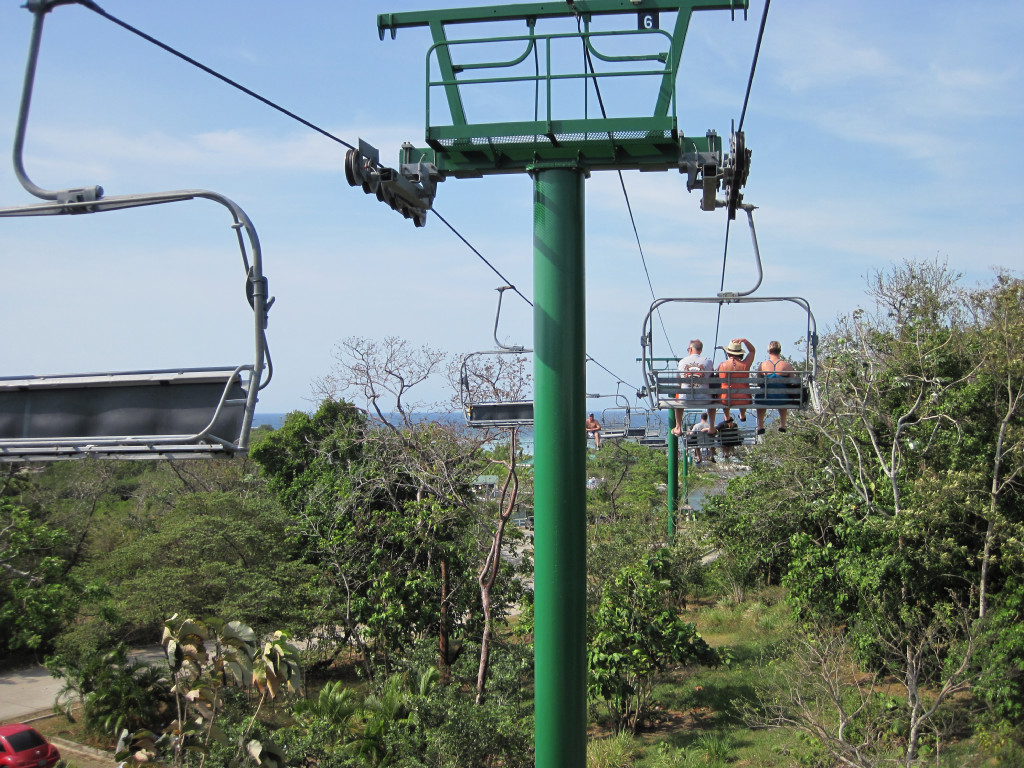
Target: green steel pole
{"points": [[686, 464], [673, 477], [559, 475]]}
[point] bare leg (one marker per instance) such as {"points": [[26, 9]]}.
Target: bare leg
{"points": [[782, 418], [711, 419], [677, 430], [760, 417]]}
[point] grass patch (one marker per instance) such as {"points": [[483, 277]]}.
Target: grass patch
{"points": [[700, 723]]}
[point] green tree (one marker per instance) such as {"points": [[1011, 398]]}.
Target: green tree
{"points": [[38, 595], [210, 553], [910, 511], [636, 637], [630, 482], [114, 692], [375, 538]]}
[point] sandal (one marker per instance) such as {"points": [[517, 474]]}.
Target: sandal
{"points": [[760, 430]]}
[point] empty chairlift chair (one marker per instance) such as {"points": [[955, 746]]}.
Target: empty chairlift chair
{"points": [[483, 406], [638, 421], [654, 435], [615, 422], [171, 413], [491, 391]]}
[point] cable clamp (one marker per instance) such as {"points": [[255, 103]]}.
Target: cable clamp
{"points": [[72, 199], [410, 190]]}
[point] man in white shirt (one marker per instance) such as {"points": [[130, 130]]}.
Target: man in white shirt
{"points": [[694, 370]]}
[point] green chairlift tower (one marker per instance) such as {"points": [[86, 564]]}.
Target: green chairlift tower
{"points": [[540, 88]]}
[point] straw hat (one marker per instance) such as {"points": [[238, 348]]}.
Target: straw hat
{"points": [[734, 348]]}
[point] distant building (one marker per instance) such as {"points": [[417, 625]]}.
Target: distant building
{"points": [[486, 485]]}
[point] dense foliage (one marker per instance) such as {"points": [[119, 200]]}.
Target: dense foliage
{"points": [[891, 522], [895, 515]]}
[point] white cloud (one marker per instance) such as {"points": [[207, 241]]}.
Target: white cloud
{"points": [[102, 153]]}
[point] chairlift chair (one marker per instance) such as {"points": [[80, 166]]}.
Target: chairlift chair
{"points": [[667, 388], [485, 409], [142, 414], [615, 422], [655, 435], [638, 419], [615, 419]]}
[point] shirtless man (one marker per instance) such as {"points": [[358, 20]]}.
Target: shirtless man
{"points": [[594, 430]]}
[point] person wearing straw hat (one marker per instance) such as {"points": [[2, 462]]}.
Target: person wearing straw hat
{"points": [[734, 372]]}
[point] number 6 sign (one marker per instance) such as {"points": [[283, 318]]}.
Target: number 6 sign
{"points": [[647, 20]]}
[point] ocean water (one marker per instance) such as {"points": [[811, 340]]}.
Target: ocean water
{"points": [[273, 420]]}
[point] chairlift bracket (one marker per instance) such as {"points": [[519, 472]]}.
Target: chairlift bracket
{"points": [[410, 190], [737, 168]]}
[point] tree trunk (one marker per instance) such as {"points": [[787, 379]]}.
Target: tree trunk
{"points": [[492, 563], [487, 578], [993, 506], [444, 636]]}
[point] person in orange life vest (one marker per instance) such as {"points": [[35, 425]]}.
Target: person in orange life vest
{"points": [[735, 366]]}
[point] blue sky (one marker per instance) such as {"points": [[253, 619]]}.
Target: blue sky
{"points": [[880, 132]]}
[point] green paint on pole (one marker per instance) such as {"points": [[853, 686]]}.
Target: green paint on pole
{"points": [[686, 465], [673, 477], [560, 560]]}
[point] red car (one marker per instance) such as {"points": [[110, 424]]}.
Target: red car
{"points": [[22, 746]]}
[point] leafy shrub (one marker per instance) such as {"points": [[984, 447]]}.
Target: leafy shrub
{"points": [[115, 693], [636, 637]]}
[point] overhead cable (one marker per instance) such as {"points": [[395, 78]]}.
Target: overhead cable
{"points": [[512, 285], [743, 115], [480, 256], [753, 64], [622, 183]]}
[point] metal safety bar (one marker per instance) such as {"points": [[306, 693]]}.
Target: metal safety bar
{"points": [[546, 125]]}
